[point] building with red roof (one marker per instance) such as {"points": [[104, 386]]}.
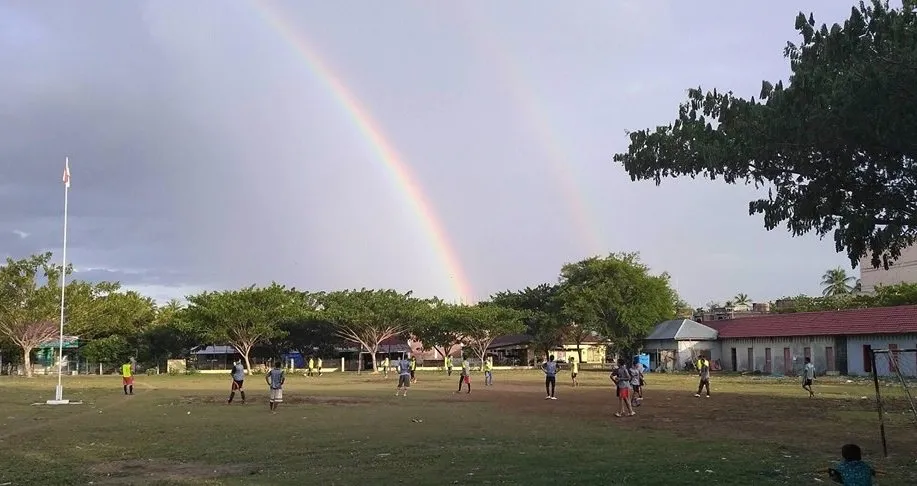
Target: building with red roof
{"points": [[837, 342]]}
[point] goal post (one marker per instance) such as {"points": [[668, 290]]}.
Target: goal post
{"points": [[896, 368]]}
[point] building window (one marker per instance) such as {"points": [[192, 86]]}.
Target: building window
{"points": [[867, 358], [768, 366], [807, 353], [829, 358], [787, 361], [751, 359]]}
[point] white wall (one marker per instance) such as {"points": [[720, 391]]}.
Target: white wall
{"points": [[683, 351], [816, 344], [855, 356], [690, 350], [903, 270]]}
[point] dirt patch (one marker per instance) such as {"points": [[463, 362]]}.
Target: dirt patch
{"points": [[797, 424], [287, 400], [145, 471]]}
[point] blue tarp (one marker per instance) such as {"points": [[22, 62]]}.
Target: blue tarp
{"points": [[644, 359]]}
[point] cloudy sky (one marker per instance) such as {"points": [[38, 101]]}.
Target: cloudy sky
{"points": [[207, 151]]}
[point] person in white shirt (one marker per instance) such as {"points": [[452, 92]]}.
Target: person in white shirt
{"points": [[808, 375]]}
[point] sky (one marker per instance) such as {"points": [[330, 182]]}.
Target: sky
{"points": [[208, 151]]}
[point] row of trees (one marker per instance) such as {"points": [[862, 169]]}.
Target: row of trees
{"points": [[616, 298]]}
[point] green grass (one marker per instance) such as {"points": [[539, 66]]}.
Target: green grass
{"points": [[350, 429]]}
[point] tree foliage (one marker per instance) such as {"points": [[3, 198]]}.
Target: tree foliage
{"points": [[544, 321], [243, 318], [485, 322], [29, 300], [836, 282], [368, 317], [883, 296], [836, 147], [441, 328], [616, 297]]}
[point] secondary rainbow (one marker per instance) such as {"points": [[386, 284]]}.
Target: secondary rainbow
{"points": [[508, 68], [363, 121]]}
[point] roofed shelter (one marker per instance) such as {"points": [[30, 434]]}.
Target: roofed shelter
{"points": [[673, 343]]}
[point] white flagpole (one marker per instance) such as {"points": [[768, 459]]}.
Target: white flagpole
{"points": [[59, 392]]}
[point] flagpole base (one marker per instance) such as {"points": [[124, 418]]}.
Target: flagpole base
{"points": [[58, 397]]}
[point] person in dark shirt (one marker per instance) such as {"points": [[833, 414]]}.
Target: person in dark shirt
{"points": [[852, 471]]}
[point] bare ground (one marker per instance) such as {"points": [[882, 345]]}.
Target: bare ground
{"points": [[146, 471]]}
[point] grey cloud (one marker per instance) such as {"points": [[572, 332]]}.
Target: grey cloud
{"points": [[206, 153]]}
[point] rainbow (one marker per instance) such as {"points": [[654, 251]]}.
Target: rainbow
{"points": [[509, 70], [400, 172]]}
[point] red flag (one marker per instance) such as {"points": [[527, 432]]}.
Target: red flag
{"points": [[67, 172]]}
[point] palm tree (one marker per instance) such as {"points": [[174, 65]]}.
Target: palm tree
{"points": [[836, 282], [741, 299]]}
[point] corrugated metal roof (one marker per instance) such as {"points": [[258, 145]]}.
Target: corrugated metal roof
{"points": [[876, 320], [682, 330]]}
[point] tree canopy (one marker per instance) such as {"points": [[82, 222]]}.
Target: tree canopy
{"points": [[368, 317], [616, 297], [243, 318], [544, 321], [835, 146]]}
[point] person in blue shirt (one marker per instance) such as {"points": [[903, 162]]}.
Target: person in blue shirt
{"points": [[549, 368], [852, 471], [275, 379]]}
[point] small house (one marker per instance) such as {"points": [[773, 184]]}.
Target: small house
{"points": [[673, 343]]}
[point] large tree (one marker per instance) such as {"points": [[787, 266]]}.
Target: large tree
{"points": [[545, 321], [311, 330], [29, 303], [836, 146], [368, 317], [486, 322], [243, 318], [168, 336], [441, 328], [616, 297], [836, 282]]}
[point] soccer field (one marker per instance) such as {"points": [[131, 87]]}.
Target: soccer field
{"points": [[350, 429]]}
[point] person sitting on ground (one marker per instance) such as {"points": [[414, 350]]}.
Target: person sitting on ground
{"points": [[852, 471]]}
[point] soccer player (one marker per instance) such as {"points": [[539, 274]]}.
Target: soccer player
{"points": [[311, 368], [549, 368], [622, 379], [448, 362], [703, 369], [413, 369], [275, 379], [489, 371], [636, 382], [386, 364], [465, 377], [808, 375], [404, 377], [319, 363], [574, 371], [127, 377], [238, 376]]}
